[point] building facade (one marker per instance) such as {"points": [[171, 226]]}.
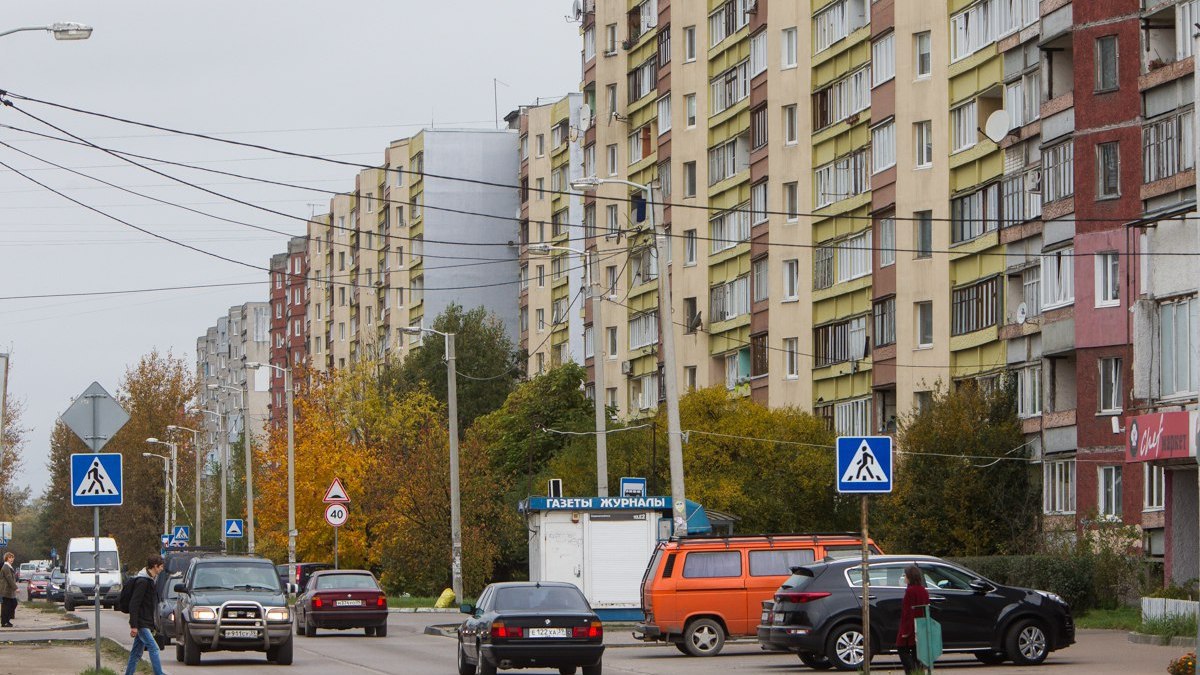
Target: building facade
{"points": [[228, 390], [289, 321]]}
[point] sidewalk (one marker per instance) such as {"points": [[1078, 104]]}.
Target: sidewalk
{"points": [[56, 658], [36, 620]]}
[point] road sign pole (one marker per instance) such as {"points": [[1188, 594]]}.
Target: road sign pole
{"points": [[335, 547], [866, 595], [94, 444]]}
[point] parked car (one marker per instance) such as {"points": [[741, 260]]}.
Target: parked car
{"points": [[342, 599], [232, 603], [167, 597], [816, 613], [38, 583], [304, 570], [699, 591], [58, 584], [25, 571], [530, 625]]}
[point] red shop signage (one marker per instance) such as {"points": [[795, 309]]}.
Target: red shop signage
{"points": [[1159, 436]]}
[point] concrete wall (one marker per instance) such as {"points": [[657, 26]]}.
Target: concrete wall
{"points": [[1183, 557]]}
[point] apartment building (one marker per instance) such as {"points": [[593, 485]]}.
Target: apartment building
{"points": [[435, 224], [230, 392], [554, 285], [289, 321]]}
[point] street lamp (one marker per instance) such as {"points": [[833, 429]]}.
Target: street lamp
{"points": [[245, 408], [291, 463], [62, 30], [223, 451], [195, 449], [174, 470], [598, 390], [667, 333], [166, 486], [455, 506]]}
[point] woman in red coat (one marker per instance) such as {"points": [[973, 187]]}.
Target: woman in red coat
{"points": [[915, 599]]}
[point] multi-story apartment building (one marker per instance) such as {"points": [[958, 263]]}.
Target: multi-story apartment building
{"points": [[435, 224], [289, 321], [227, 388], [554, 287]]}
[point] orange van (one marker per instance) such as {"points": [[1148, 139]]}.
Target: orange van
{"points": [[699, 591]]}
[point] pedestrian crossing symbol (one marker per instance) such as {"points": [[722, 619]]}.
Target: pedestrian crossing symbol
{"points": [[864, 464], [96, 479], [233, 528]]}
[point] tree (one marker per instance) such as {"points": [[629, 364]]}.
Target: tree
{"points": [[12, 499], [963, 485]]}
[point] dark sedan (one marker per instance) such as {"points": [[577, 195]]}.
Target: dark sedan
{"points": [[342, 599], [58, 582], [530, 625], [817, 613]]}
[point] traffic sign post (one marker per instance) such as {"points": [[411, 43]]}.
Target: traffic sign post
{"points": [[336, 515], [181, 536], [864, 466]]}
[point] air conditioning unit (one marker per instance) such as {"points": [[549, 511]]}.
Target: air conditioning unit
{"points": [[626, 367]]}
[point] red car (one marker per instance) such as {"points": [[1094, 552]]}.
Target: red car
{"points": [[38, 584], [342, 599]]}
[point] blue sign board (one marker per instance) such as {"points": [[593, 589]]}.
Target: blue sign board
{"points": [[166, 540], [234, 528], [864, 464], [96, 479], [181, 535], [632, 487], [3, 543], [598, 504]]}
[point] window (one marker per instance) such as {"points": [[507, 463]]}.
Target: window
{"points": [[984, 22], [1109, 505], [664, 179], [924, 324], [758, 53], [791, 123], [664, 114], [1057, 278], [589, 44], [589, 160], [707, 565], [883, 146], [1022, 99], [612, 220], [852, 418], [1029, 391], [1167, 146], [964, 126], [689, 103], [791, 280], [730, 300], [610, 92], [728, 19], [848, 96], [758, 203], [883, 59], [1108, 279], [1108, 170], [843, 178], [729, 87], [689, 378], [759, 355], [975, 307], [823, 267], [689, 44], [638, 146], [1020, 204], [1058, 487], [689, 179], [610, 39], [728, 159], [854, 257], [689, 247], [690, 316], [788, 48], [838, 20], [758, 127], [1177, 347], [611, 341], [1058, 172], [840, 341], [643, 330], [1155, 487], [922, 48], [791, 358], [541, 145], [762, 279], [664, 44], [885, 321], [541, 319], [1110, 385], [729, 228], [923, 142], [887, 241], [1106, 63], [791, 201], [611, 153], [642, 79]]}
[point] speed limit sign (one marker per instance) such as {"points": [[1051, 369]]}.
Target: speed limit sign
{"points": [[336, 514]]}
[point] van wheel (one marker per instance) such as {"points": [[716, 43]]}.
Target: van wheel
{"points": [[844, 648], [704, 637], [69, 604], [815, 661], [1027, 643]]}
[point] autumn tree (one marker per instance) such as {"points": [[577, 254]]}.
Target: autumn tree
{"points": [[12, 498], [963, 485]]}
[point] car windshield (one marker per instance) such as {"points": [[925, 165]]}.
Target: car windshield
{"points": [[235, 577], [28, 567], [41, 576], [348, 581], [551, 598], [57, 576], [81, 561]]}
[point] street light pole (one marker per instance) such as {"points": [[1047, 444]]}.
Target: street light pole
{"points": [[195, 450], [221, 454], [291, 464], [166, 488], [63, 30], [244, 406], [667, 335], [172, 481]]}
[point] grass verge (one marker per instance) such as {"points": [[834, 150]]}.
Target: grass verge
{"points": [[1170, 626], [44, 606], [416, 601], [1121, 618]]}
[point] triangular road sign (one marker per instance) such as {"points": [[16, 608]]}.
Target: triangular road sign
{"points": [[96, 481], [233, 528], [336, 494], [864, 467]]}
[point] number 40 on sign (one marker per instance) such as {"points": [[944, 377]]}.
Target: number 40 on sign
{"points": [[336, 514]]}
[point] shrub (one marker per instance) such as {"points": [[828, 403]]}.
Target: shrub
{"points": [[1173, 592], [1169, 626], [1184, 665], [1071, 577]]}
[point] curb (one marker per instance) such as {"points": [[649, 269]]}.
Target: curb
{"points": [[1161, 640], [442, 630], [76, 624], [423, 610]]}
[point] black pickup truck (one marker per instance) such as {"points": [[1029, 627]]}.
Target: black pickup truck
{"points": [[232, 603]]}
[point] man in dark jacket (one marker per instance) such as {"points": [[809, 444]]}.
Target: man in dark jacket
{"points": [[143, 604]]}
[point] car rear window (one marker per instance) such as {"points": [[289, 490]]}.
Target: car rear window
{"points": [[706, 565], [349, 581], [778, 562], [797, 582], [549, 598]]}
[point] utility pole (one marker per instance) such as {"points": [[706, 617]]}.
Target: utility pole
{"points": [[599, 360], [291, 457], [455, 507], [249, 469]]}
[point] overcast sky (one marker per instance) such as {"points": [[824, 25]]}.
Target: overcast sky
{"points": [[326, 78]]}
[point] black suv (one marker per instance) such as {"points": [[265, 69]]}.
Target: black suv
{"points": [[232, 603], [817, 614]]}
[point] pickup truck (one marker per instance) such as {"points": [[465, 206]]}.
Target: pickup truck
{"points": [[232, 603]]}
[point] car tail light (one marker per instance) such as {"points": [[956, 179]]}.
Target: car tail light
{"points": [[381, 601], [591, 631], [800, 598], [499, 630], [317, 602]]}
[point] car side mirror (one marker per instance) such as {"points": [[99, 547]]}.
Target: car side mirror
{"points": [[466, 608], [981, 587], [181, 588]]}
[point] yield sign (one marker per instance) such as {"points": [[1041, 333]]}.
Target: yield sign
{"points": [[336, 494]]}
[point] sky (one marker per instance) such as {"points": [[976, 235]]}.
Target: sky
{"points": [[323, 78]]}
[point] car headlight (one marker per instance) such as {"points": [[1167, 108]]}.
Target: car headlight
{"points": [[171, 617], [204, 614], [75, 589], [279, 614], [1052, 596], [115, 588]]}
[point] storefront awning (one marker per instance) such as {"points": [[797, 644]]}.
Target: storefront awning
{"points": [[1161, 436]]}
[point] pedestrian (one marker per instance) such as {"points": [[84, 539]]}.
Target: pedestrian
{"points": [[916, 598], [8, 591], [143, 604]]}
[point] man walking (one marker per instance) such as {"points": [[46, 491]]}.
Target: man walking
{"points": [[8, 591], [142, 606]]}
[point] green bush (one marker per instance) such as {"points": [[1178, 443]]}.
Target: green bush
{"points": [[1184, 592], [1169, 626], [1073, 578]]}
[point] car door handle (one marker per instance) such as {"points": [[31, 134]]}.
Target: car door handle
{"points": [[869, 597], [937, 598]]}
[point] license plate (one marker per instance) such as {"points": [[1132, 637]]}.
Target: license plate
{"points": [[349, 603], [241, 633], [547, 632]]}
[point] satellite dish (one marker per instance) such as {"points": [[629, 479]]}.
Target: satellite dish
{"points": [[1022, 313], [585, 117], [577, 10], [997, 126]]}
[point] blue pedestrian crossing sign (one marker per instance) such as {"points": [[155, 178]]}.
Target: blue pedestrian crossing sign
{"points": [[234, 528], [96, 479], [180, 535], [864, 464]]}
